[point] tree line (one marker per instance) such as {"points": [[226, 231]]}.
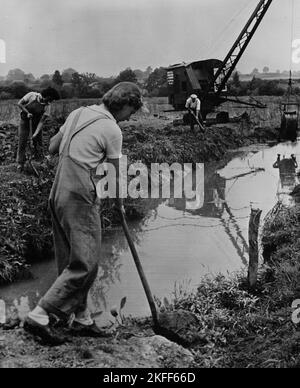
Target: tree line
{"points": [[72, 84], [260, 87]]}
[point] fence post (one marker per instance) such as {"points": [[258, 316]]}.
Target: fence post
{"points": [[2, 312], [253, 247]]}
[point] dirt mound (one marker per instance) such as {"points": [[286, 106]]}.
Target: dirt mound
{"points": [[25, 229], [8, 143], [140, 350]]}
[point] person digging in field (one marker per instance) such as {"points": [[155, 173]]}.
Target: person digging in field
{"points": [[193, 105], [89, 136], [35, 107]]}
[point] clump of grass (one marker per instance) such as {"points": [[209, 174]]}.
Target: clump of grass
{"points": [[282, 254], [281, 228], [12, 269], [241, 328]]}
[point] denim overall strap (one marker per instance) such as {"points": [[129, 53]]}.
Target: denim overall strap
{"points": [[74, 130]]}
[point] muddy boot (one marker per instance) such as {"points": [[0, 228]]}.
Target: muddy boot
{"points": [[56, 322], [45, 333], [11, 324]]}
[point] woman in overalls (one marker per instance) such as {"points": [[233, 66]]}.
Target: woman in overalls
{"points": [[35, 108], [89, 136]]}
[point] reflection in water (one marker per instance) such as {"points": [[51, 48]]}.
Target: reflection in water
{"points": [[208, 198], [212, 203], [288, 180], [236, 236]]}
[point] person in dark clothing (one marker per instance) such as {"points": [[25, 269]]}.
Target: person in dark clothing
{"points": [[35, 108]]}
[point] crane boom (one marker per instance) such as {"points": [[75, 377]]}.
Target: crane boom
{"points": [[208, 78], [239, 46]]}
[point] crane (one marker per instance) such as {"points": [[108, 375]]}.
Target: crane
{"points": [[239, 46], [208, 78]]}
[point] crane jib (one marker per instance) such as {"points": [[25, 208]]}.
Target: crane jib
{"points": [[239, 46]]}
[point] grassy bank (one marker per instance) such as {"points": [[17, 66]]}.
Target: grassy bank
{"points": [[242, 329]]}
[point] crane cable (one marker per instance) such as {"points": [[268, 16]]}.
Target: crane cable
{"points": [[220, 36], [289, 92]]}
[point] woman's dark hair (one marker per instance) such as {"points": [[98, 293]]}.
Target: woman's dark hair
{"points": [[51, 93], [124, 93]]}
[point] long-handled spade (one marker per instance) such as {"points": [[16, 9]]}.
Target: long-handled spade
{"points": [[167, 324], [197, 120], [140, 269], [30, 150]]}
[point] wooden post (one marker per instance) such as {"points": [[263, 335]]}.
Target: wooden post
{"points": [[253, 247], [2, 312]]}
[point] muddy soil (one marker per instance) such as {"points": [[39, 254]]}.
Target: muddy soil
{"points": [[130, 347]]}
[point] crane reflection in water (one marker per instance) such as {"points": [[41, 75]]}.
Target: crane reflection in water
{"points": [[288, 191], [210, 201]]}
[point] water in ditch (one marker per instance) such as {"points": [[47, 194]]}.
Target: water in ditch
{"points": [[180, 240]]}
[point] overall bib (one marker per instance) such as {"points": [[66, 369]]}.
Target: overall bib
{"points": [[75, 211], [37, 110]]}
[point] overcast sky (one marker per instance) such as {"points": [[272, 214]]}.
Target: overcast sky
{"points": [[106, 36]]}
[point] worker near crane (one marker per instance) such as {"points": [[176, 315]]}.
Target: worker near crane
{"points": [[193, 105], [90, 136], [35, 109]]}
